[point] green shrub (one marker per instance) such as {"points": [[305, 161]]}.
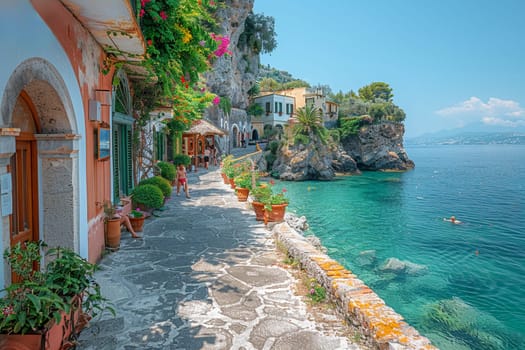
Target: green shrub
{"points": [[316, 293], [301, 139], [270, 159], [274, 146], [148, 195], [160, 182], [183, 159], [167, 170]]}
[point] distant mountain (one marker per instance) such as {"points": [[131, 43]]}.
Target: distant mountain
{"points": [[455, 137]]}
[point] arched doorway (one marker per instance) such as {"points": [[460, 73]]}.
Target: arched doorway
{"points": [[44, 164], [24, 218], [255, 135], [236, 136]]}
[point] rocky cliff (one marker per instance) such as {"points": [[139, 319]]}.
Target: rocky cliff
{"points": [[379, 147], [375, 147], [233, 75]]}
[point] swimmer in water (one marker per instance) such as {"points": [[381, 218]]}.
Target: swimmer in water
{"points": [[453, 220]]}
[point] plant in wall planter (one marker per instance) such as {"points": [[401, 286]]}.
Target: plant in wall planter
{"points": [[47, 308]]}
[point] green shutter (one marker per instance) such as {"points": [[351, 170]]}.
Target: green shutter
{"points": [[116, 168], [129, 160]]}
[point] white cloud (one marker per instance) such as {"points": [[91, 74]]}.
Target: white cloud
{"points": [[493, 107], [495, 111], [503, 122]]}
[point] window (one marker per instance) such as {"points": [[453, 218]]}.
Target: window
{"points": [[310, 101], [122, 136], [276, 107], [280, 108], [268, 107]]}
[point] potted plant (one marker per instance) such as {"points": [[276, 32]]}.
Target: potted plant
{"points": [[163, 184], [243, 184], [72, 278], [275, 205], [137, 217], [147, 197], [260, 193], [37, 312], [227, 168], [183, 159], [111, 226], [167, 171]]}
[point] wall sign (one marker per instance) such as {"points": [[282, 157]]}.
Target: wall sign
{"points": [[102, 143]]}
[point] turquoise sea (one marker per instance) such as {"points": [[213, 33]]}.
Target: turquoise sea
{"points": [[467, 289]]}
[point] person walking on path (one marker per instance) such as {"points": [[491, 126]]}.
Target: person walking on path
{"points": [[182, 180], [207, 154]]}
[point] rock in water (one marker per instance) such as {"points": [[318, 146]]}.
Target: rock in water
{"points": [[399, 267]]}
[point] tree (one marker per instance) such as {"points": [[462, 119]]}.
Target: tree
{"points": [[269, 84], [259, 34], [376, 90], [309, 121]]}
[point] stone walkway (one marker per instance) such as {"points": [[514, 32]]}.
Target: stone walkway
{"points": [[205, 276]]}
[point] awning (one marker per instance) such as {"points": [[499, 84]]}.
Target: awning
{"points": [[205, 128]]}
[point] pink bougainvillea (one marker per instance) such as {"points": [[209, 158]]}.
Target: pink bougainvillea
{"points": [[222, 44], [216, 100], [163, 15]]}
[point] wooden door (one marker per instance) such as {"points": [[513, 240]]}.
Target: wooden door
{"points": [[24, 220]]}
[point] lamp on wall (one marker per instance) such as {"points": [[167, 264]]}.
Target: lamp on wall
{"points": [[102, 100], [94, 111]]}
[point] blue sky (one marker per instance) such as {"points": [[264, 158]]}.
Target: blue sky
{"points": [[451, 63]]}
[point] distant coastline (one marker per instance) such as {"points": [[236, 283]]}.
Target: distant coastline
{"points": [[470, 138]]}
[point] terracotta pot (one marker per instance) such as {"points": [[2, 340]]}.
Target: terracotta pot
{"points": [[112, 233], [276, 214], [232, 183], [54, 337], [242, 194], [258, 208], [225, 179], [137, 223]]}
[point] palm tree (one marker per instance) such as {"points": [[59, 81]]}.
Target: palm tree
{"points": [[309, 121]]}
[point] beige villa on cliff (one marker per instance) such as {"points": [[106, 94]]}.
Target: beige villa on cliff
{"points": [[278, 107]]}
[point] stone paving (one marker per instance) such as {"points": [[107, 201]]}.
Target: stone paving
{"points": [[205, 276]]}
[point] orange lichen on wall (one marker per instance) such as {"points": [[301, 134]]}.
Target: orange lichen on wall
{"points": [[339, 274], [386, 329], [359, 303]]}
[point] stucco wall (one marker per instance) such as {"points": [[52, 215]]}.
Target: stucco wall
{"points": [[25, 36]]}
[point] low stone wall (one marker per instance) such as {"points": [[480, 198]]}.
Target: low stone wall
{"points": [[384, 328]]}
